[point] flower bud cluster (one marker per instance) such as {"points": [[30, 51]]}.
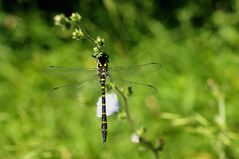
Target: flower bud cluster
{"points": [[77, 34]]}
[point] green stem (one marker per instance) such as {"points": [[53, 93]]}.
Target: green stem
{"points": [[126, 108], [222, 111], [143, 141], [150, 146], [88, 37]]}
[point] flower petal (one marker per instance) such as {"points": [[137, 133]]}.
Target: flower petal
{"points": [[112, 104]]}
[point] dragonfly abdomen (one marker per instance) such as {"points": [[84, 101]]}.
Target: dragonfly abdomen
{"points": [[104, 117]]}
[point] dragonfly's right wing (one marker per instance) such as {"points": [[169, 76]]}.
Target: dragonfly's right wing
{"points": [[137, 77], [135, 72], [70, 73], [134, 88], [146, 66]]}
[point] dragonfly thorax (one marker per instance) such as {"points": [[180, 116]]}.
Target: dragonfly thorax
{"points": [[102, 72], [103, 59], [102, 67]]}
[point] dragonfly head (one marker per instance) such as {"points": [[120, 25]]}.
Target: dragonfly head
{"points": [[103, 59]]}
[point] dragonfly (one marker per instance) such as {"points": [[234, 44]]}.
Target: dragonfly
{"points": [[103, 74]]}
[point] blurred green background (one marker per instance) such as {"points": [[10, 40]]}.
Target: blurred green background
{"points": [[196, 112]]}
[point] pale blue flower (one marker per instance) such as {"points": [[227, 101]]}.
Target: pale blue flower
{"points": [[135, 138], [112, 104]]}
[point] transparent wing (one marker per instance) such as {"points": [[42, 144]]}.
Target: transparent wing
{"points": [[133, 88], [136, 72], [70, 73], [122, 77], [72, 90], [76, 73], [136, 67]]}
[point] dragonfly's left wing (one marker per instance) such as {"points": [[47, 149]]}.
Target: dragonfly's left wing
{"points": [[71, 73], [72, 90]]}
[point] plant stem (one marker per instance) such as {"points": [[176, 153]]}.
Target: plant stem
{"points": [[88, 37], [150, 146], [126, 108], [143, 141]]}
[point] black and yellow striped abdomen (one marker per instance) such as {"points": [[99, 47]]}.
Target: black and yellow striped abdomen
{"points": [[102, 75], [104, 117]]}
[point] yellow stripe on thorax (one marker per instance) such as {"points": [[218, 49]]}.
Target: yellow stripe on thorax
{"points": [[102, 79]]}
